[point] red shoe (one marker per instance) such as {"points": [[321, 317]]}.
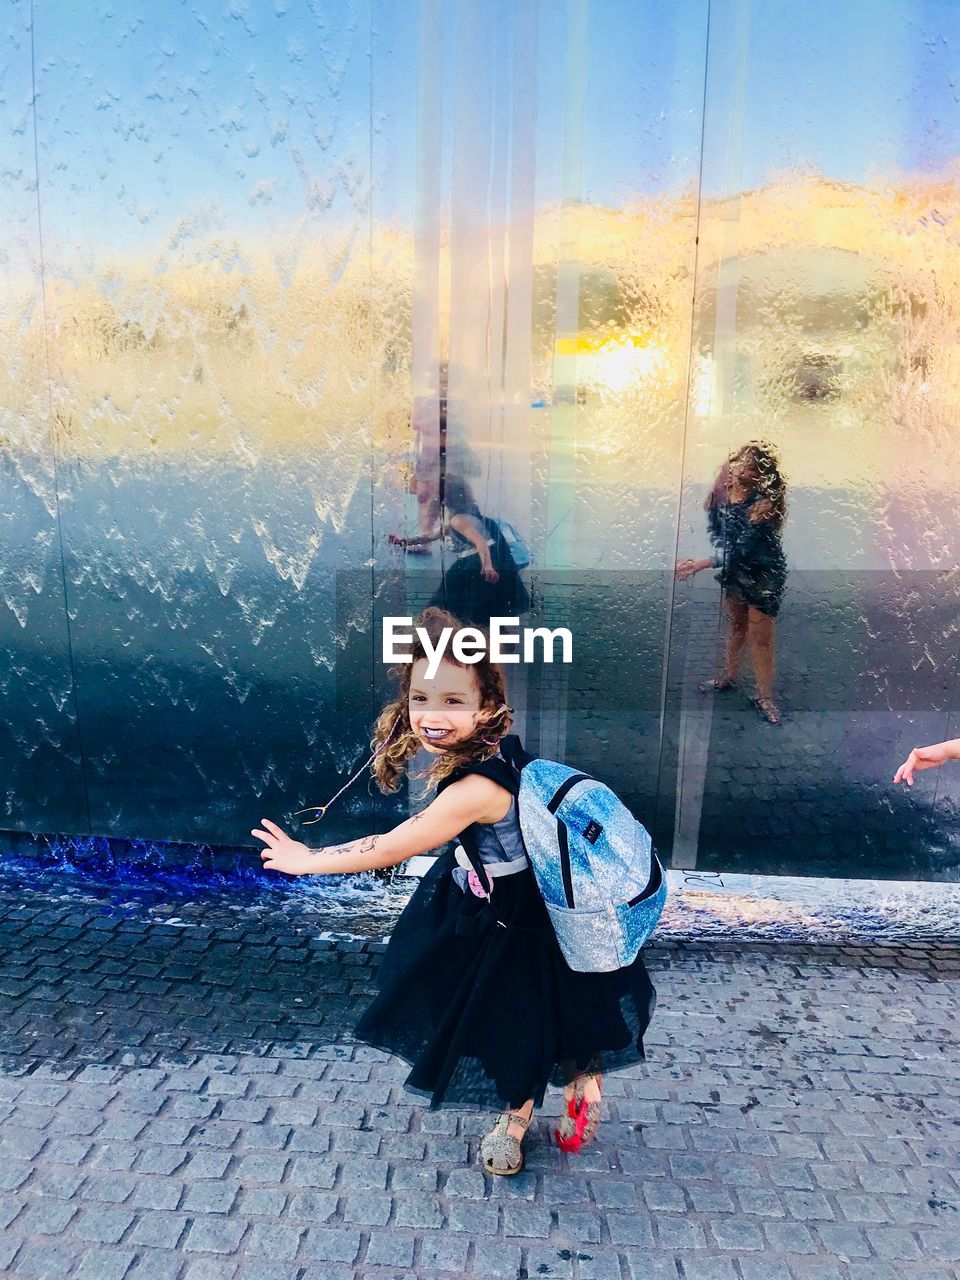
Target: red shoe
{"points": [[579, 1126]]}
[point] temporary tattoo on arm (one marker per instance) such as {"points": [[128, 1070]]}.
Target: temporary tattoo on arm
{"points": [[365, 845], [335, 848]]}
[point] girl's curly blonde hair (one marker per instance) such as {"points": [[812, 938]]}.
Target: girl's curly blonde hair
{"points": [[394, 741], [766, 478]]}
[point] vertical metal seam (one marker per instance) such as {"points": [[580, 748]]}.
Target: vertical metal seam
{"points": [[671, 580], [374, 376]]}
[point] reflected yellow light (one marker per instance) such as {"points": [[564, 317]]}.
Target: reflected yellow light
{"points": [[613, 362]]}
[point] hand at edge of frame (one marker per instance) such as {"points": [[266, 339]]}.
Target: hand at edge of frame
{"points": [[923, 758]]}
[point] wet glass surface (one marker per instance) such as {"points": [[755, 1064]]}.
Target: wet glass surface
{"points": [[281, 286]]}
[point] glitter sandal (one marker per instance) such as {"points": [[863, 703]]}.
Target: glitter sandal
{"points": [[579, 1124], [500, 1151], [718, 685], [767, 710]]}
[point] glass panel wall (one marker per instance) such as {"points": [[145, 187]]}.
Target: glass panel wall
{"points": [[284, 286], [825, 329]]}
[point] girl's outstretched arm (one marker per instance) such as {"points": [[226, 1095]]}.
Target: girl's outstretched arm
{"points": [[687, 568], [467, 526], [472, 799], [927, 758], [419, 540]]}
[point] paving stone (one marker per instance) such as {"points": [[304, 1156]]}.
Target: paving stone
{"points": [[894, 1243], [313, 1206], [14, 1173], [158, 1230], [764, 1269], [21, 1144], [862, 1208], [207, 1164], [161, 1160], [419, 1211], [46, 1217], [844, 1242], [103, 1264], [102, 1226], [640, 1265], [767, 1204], [316, 1171], [211, 1269], [69, 1151], [711, 1199], [367, 1209], [630, 1229], [341, 1244], [443, 1253], [109, 1189], [468, 1184], [263, 1202], [10, 1206], [581, 1227], [679, 1233], [273, 1240], [546, 1261], [156, 1193], [51, 1260], [260, 1167], [940, 1242], [527, 1221], [214, 1235], [60, 1183], [390, 1249], [737, 1233], [210, 1197], [664, 1196], [598, 1266], [700, 1267]]}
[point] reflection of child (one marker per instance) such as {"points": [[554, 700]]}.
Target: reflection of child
{"points": [[483, 582], [474, 991], [927, 758], [746, 509]]}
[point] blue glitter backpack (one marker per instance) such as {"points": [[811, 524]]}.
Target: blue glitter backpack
{"points": [[600, 879]]}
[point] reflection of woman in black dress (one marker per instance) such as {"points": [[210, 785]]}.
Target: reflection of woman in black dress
{"points": [[746, 509], [483, 582]]}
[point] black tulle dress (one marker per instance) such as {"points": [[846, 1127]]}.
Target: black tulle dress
{"points": [[491, 1015], [752, 566], [465, 592]]}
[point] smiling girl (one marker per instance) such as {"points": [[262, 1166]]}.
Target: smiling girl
{"points": [[474, 992]]}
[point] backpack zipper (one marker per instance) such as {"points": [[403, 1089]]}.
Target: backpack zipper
{"points": [[565, 863], [653, 883], [562, 840]]}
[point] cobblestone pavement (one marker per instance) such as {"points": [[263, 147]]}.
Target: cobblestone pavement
{"points": [[180, 1100]]}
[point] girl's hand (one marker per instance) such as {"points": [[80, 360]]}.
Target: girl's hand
{"points": [[925, 758], [489, 573], [687, 568], [282, 853]]}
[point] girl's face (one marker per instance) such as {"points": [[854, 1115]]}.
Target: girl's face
{"points": [[445, 710], [743, 471]]}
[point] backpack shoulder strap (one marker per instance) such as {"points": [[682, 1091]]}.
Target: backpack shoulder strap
{"points": [[497, 771], [514, 753]]}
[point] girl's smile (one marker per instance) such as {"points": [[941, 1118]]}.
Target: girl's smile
{"points": [[445, 710]]}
